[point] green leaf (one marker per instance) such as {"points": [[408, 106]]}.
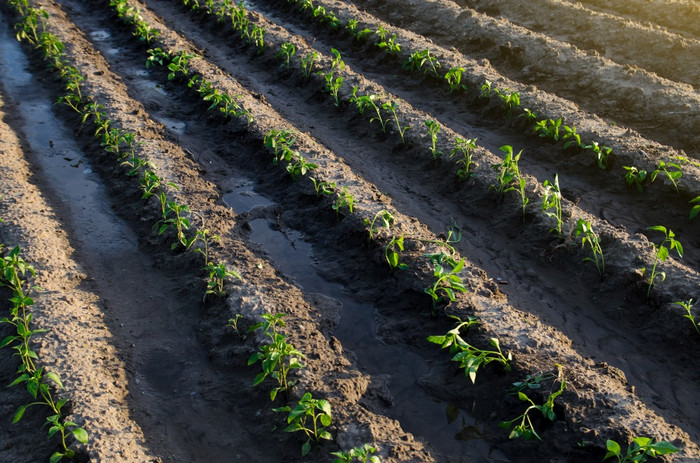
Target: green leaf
{"points": [[659, 228], [19, 413], [54, 377], [7, 341], [325, 420], [613, 447], [80, 435], [306, 448], [56, 457], [664, 448], [53, 430], [20, 379]]}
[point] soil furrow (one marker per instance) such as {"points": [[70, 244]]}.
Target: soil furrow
{"points": [[678, 16], [626, 43], [623, 95]]}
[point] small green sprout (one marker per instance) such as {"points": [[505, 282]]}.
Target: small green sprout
{"points": [[307, 63], [464, 148], [662, 253], [391, 253], [635, 177], [639, 450], [552, 200], [688, 306], [362, 453], [433, 131], [454, 79], [217, 277], [392, 107], [588, 236], [525, 428], [310, 416], [469, 357], [287, 50], [447, 279]]}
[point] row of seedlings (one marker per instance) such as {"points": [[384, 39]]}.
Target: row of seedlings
{"points": [[550, 128]]}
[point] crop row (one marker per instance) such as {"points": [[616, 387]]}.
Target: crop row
{"points": [[41, 384], [551, 128], [508, 175], [445, 284]]}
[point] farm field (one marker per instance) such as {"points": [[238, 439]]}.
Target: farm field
{"points": [[458, 231]]}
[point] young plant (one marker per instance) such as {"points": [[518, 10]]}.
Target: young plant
{"points": [[307, 63], [573, 139], [454, 79], [463, 148], [673, 175], [509, 177], [602, 154], [203, 235], [310, 416], [382, 33], [635, 177], [277, 357], [639, 450], [178, 222], [688, 306], [322, 187], [525, 428], [217, 277], [529, 115], [337, 63], [391, 253], [362, 453], [365, 102], [508, 170], [510, 100], [485, 91], [469, 357], [447, 279], [392, 107], [333, 86], [390, 46], [552, 200], [531, 382], [233, 323], [280, 142], [588, 236], [299, 166], [662, 253], [433, 131], [344, 199], [384, 218], [257, 37], [287, 50], [419, 59], [548, 128]]}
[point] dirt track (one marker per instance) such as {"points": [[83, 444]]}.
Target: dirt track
{"points": [[151, 369]]}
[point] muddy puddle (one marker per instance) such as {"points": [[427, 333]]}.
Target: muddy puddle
{"points": [[178, 399], [450, 430]]}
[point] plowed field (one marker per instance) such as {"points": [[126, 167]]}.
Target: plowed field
{"points": [[320, 142]]}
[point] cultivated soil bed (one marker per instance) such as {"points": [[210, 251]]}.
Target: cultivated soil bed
{"points": [[151, 366]]}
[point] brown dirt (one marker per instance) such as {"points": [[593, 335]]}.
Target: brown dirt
{"points": [[152, 371]]}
